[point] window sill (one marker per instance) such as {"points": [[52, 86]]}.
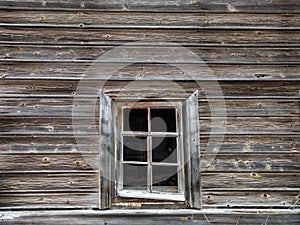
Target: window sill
{"points": [[146, 195]]}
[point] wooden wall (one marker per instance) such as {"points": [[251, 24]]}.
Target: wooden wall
{"points": [[251, 46]]}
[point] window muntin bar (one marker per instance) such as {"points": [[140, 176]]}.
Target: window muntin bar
{"points": [[169, 132]]}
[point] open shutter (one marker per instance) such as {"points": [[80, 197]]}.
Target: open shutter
{"points": [[106, 142], [192, 151]]}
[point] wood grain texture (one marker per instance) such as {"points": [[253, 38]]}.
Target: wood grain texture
{"points": [[62, 107], [45, 144], [78, 70], [250, 162], [261, 143], [254, 199], [210, 55], [231, 144], [71, 36], [65, 88], [248, 180], [250, 125], [174, 217], [246, 108], [65, 125], [48, 162], [92, 19], [252, 49], [54, 200], [49, 182], [158, 5]]}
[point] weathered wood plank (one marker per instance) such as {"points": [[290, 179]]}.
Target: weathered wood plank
{"points": [[262, 143], [250, 125], [76, 71], [256, 180], [103, 36], [253, 162], [92, 19], [211, 55], [158, 5], [50, 125], [65, 88], [60, 107], [247, 108], [250, 198], [48, 182], [150, 217], [236, 143], [52, 200], [55, 107], [48, 162], [233, 125], [45, 144], [190, 140]]}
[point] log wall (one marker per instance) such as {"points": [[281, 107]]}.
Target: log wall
{"points": [[252, 47]]}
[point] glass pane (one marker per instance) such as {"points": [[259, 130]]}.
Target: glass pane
{"points": [[165, 178], [135, 120], [134, 177], [163, 120], [164, 149], [135, 149]]}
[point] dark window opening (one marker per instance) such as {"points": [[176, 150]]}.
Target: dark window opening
{"points": [[163, 120], [135, 149], [135, 119], [164, 149]]}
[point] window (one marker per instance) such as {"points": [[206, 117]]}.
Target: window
{"points": [[149, 149]]}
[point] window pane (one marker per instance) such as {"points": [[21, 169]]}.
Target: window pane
{"points": [[165, 178], [163, 120], [134, 177], [135, 149], [164, 149], [135, 120]]}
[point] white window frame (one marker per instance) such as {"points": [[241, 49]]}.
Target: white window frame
{"points": [[120, 133]]}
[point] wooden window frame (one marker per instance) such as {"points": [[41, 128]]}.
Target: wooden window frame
{"points": [[120, 133], [108, 145]]}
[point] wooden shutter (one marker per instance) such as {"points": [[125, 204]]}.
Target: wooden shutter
{"points": [[106, 142], [192, 151]]}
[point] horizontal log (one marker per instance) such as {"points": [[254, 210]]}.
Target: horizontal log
{"points": [[62, 107], [250, 125], [151, 216], [221, 162], [211, 55], [48, 182], [81, 36], [50, 200], [247, 180], [241, 143], [48, 162], [45, 144], [250, 199], [65, 88], [92, 19], [248, 108], [55, 107], [76, 71], [242, 162], [231, 125], [61, 144], [158, 5], [39, 125]]}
